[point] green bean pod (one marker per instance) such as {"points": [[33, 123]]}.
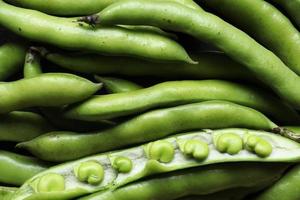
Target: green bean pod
{"points": [[206, 181], [117, 85], [112, 170], [32, 67], [6, 192], [287, 188], [209, 28], [51, 89], [65, 33], [11, 59], [268, 26], [292, 7], [79, 7], [16, 169], [62, 146], [18, 126], [180, 92], [210, 65]]}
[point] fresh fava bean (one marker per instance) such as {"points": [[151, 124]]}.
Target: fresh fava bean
{"points": [[169, 154], [202, 181], [268, 26], [32, 65], [209, 28], [18, 126], [11, 59], [16, 169], [210, 65], [62, 146], [117, 85], [180, 92], [6, 192], [51, 89], [79, 7], [64, 33], [292, 7], [287, 188]]}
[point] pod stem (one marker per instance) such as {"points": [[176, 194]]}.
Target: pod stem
{"points": [[287, 133]]}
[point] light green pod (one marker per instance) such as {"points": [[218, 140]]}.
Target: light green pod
{"points": [[117, 85], [51, 89], [174, 93], [268, 26], [12, 57], [287, 188], [18, 126], [62, 146], [98, 173], [66, 33], [16, 169], [78, 7], [209, 183], [264, 64]]}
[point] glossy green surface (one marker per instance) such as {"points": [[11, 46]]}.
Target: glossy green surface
{"points": [[204, 26], [268, 26], [174, 93], [62, 146], [117, 85], [32, 67]]}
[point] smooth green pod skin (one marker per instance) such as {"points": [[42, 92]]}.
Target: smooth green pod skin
{"points": [[79, 7], [7, 192], [174, 93], [50, 89], [16, 169], [18, 126], [268, 26], [287, 188], [292, 7], [207, 27], [200, 181], [210, 65], [284, 150], [11, 59], [117, 85], [65, 33], [62, 146], [32, 67]]}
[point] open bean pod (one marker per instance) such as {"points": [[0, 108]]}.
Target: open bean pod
{"points": [[114, 169]]}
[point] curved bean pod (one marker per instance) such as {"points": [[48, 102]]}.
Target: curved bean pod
{"points": [[18, 126], [105, 172], [32, 65], [210, 65], [79, 7], [202, 181], [52, 89], [61, 146], [11, 59], [7, 192], [117, 85], [268, 26], [16, 169], [285, 189], [205, 26], [292, 7], [180, 92], [64, 33]]}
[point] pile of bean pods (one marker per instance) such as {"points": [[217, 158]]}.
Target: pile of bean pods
{"points": [[149, 100]]}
